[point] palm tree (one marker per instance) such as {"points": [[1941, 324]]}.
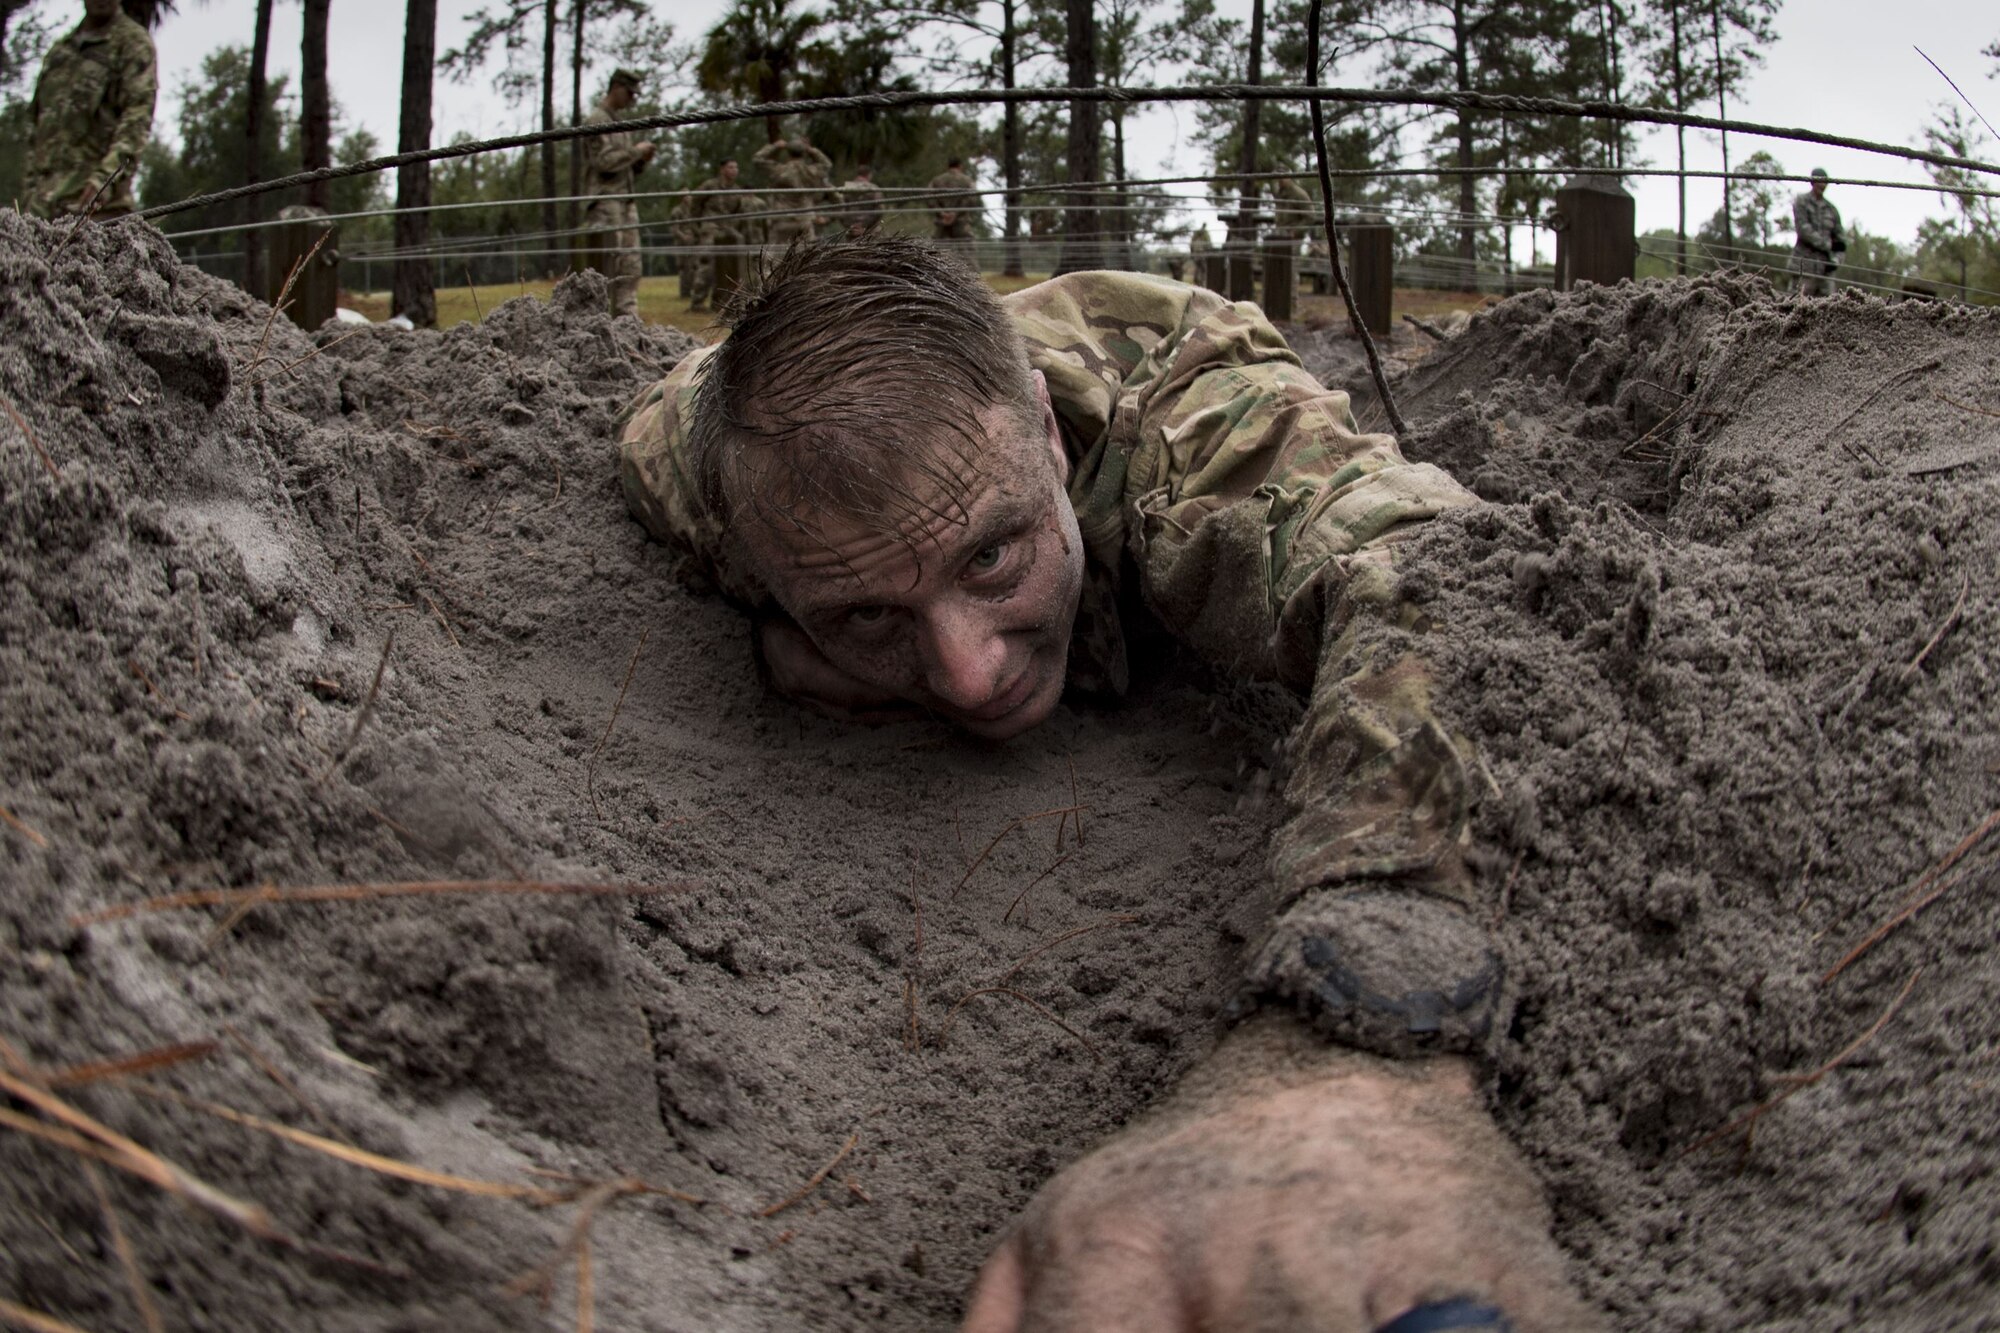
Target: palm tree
{"points": [[756, 51]]}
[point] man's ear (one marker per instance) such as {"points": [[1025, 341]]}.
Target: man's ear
{"points": [[1051, 427]]}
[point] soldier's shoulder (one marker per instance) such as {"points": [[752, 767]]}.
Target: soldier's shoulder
{"points": [[132, 35], [1084, 307]]}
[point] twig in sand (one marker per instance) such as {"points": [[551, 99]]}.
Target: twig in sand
{"points": [[475, 294], [284, 299], [88, 1136], [1968, 407], [291, 366], [1025, 820], [121, 1245], [590, 769], [1951, 858], [344, 893], [13, 821], [1797, 1083], [155, 691], [1425, 326], [1035, 1005], [21, 424], [144, 1062], [87, 212], [1957, 609], [1507, 889], [1022, 896], [367, 710], [1063, 938], [278, 1076], [1883, 388], [20, 1316], [442, 619], [818, 1178]]}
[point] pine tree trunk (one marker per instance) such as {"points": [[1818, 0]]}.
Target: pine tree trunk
{"points": [[1121, 226], [315, 103], [414, 290], [1080, 228], [549, 221], [1722, 111], [1468, 231], [1246, 158], [1010, 143], [253, 151], [576, 115], [1680, 141]]}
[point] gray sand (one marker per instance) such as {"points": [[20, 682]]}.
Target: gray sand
{"points": [[1709, 764]]}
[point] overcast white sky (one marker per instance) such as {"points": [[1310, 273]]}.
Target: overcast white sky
{"points": [[1842, 66]]}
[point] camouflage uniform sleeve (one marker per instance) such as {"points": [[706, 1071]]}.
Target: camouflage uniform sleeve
{"points": [[660, 487], [611, 154], [1806, 221], [139, 91], [1263, 524]]}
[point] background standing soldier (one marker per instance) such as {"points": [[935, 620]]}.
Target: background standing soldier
{"points": [[1821, 243], [615, 162], [802, 172], [861, 202], [953, 210], [717, 210], [92, 114]]}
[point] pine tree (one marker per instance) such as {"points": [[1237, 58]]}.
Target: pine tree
{"points": [[414, 291]]}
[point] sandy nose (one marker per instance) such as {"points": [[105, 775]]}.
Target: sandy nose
{"points": [[965, 658]]}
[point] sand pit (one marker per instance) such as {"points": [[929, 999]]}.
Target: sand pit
{"points": [[1713, 768]]}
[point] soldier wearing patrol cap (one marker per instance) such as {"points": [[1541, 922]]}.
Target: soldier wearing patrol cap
{"points": [[615, 160], [1821, 243]]}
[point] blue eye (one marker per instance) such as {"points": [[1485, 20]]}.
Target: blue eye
{"points": [[987, 558]]}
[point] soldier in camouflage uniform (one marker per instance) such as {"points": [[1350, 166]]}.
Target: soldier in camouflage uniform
{"points": [[615, 161], [717, 210], [956, 204], [799, 172], [861, 202], [1821, 243], [1079, 449], [92, 114]]}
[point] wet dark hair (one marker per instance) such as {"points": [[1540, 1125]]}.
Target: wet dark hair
{"points": [[852, 383]]}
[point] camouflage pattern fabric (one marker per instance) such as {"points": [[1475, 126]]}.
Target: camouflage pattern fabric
{"points": [[1259, 525], [861, 205], [958, 204], [803, 179], [614, 163], [92, 114], [1817, 223]]}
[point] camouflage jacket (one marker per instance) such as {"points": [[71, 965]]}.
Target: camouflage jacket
{"points": [[956, 193], [1235, 495], [717, 209], [803, 177], [1817, 222], [615, 159], [92, 112]]}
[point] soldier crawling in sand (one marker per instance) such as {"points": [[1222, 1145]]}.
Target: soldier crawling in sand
{"points": [[935, 501], [616, 159], [1821, 243], [92, 114]]}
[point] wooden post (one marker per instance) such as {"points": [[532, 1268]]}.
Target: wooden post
{"points": [[1214, 271], [1280, 254], [729, 269], [316, 291], [1371, 247], [1594, 227], [1242, 273]]}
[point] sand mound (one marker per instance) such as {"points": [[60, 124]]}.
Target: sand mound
{"points": [[1711, 765]]}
